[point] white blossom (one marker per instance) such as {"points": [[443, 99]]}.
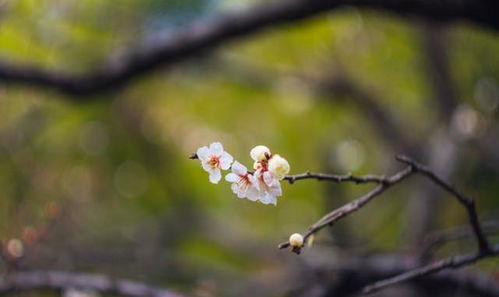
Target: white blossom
{"points": [[296, 240], [278, 166], [263, 185], [244, 184], [269, 187], [259, 153], [213, 159]]}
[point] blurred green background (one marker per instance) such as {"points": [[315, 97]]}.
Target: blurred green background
{"points": [[106, 186]]}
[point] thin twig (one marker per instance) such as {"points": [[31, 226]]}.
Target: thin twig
{"points": [[467, 202], [484, 248], [345, 276], [61, 280], [452, 262], [337, 178], [339, 213]]}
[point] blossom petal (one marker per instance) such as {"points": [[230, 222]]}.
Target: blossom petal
{"points": [[203, 153], [216, 148], [254, 182], [239, 169], [266, 198], [273, 200], [225, 160], [241, 193], [232, 178], [268, 178], [215, 176], [235, 189], [205, 166], [253, 194], [276, 189]]}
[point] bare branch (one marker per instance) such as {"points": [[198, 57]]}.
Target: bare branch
{"points": [[452, 262], [207, 35], [467, 202], [484, 248], [339, 213], [347, 275], [337, 178], [60, 280]]}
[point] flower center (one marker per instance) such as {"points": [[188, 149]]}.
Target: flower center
{"points": [[214, 162]]}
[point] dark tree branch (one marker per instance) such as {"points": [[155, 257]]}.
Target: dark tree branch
{"points": [[452, 262], [209, 34], [339, 213], [346, 277], [60, 280], [337, 178], [465, 201], [484, 248]]}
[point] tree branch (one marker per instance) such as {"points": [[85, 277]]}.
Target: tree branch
{"points": [[348, 275], [337, 178], [206, 35], [60, 280], [484, 248], [467, 202], [452, 262], [339, 213]]}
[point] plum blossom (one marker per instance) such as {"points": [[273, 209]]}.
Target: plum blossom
{"points": [[296, 240], [269, 186], [213, 159], [260, 153], [244, 183], [278, 166], [263, 185]]}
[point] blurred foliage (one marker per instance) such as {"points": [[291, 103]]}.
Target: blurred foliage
{"points": [[107, 186]]}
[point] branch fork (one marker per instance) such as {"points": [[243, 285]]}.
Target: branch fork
{"points": [[485, 249]]}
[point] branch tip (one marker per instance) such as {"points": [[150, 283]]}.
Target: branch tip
{"points": [[283, 245]]}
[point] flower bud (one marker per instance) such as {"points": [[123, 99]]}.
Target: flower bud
{"points": [[296, 240], [259, 153], [278, 166]]}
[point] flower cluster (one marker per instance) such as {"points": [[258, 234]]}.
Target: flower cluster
{"points": [[261, 185]]}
